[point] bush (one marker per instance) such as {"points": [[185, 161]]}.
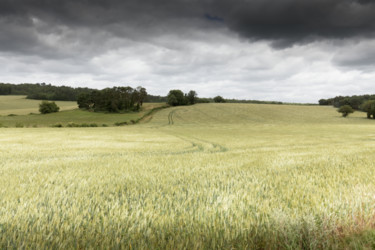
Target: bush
{"points": [[121, 123], [345, 110], [48, 107], [19, 125], [104, 125], [57, 125], [72, 125]]}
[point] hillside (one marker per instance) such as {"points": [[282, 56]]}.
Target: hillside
{"points": [[254, 114], [208, 176]]}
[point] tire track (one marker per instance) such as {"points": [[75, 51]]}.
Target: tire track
{"points": [[170, 117], [199, 145]]}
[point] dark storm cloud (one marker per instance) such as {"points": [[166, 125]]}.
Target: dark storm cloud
{"points": [[283, 22], [286, 22]]}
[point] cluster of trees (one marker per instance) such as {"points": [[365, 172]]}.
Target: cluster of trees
{"points": [[354, 101], [347, 104], [116, 99], [42, 91], [176, 97]]}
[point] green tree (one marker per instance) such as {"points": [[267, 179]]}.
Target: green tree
{"points": [[192, 97], [172, 100], [369, 108], [48, 107], [219, 99], [345, 110], [142, 95], [176, 97]]}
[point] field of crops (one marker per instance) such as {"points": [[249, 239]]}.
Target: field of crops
{"points": [[203, 176]]}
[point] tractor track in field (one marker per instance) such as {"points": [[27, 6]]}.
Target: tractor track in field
{"points": [[170, 117], [199, 145]]}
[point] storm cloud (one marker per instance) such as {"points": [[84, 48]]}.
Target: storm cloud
{"points": [[291, 50]]}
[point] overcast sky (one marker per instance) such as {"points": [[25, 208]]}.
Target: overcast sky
{"points": [[283, 50]]}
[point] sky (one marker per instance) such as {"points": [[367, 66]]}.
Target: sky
{"points": [[275, 50]]}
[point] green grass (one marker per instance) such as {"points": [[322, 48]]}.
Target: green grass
{"points": [[69, 115], [19, 105], [209, 176]]}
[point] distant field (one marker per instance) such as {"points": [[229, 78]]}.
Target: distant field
{"points": [[24, 116], [208, 176], [19, 105]]}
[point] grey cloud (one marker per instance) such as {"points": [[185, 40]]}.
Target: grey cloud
{"points": [[283, 22], [358, 55], [288, 22]]}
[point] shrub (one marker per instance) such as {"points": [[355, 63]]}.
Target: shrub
{"points": [[19, 125], [93, 125], [345, 110], [72, 125], [57, 125], [121, 123], [48, 107], [12, 115], [104, 125]]}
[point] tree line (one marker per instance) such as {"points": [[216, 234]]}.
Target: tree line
{"points": [[354, 101], [364, 103], [42, 91], [116, 99]]}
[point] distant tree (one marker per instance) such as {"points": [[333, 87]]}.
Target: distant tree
{"points": [[345, 110], [84, 101], [325, 102], [5, 89], [192, 97], [172, 100], [176, 97], [219, 99], [48, 107], [142, 95], [203, 100], [369, 108]]}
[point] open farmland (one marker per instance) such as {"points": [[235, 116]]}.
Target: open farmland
{"points": [[19, 105], [202, 176], [16, 111]]}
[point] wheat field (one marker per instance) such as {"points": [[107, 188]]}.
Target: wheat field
{"points": [[208, 176]]}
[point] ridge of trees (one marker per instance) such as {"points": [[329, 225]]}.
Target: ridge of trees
{"points": [[354, 101], [364, 103], [116, 99], [42, 91]]}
